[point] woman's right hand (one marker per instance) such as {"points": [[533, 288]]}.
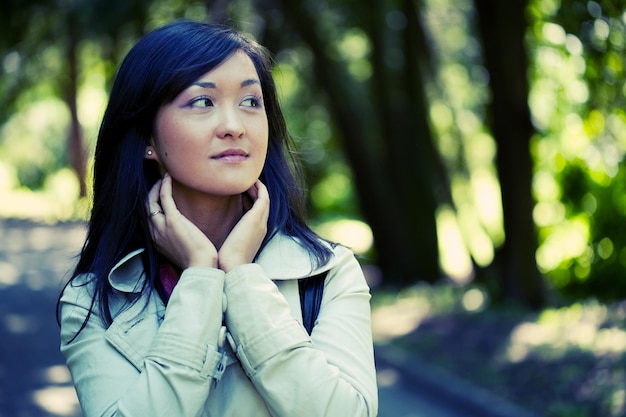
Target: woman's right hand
{"points": [[244, 241], [175, 236]]}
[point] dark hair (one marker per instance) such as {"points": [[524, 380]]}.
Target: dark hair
{"points": [[161, 65]]}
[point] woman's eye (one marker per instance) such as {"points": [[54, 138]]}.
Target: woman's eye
{"points": [[201, 102], [252, 102]]}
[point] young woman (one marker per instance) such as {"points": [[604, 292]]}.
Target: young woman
{"points": [[186, 300]]}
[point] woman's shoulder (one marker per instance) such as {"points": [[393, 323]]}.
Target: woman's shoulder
{"points": [[285, 257], [80, 289], [77, 304]]}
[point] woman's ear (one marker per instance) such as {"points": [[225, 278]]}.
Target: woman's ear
{"points": [[151, 153]]}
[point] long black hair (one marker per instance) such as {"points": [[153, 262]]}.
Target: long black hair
{"points": [[158, 67]]}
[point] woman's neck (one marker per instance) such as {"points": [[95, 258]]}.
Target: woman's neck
{"points": [[215, 216]]}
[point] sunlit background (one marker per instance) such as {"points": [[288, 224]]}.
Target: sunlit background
{"points": [[572, 140], [577, 91]]}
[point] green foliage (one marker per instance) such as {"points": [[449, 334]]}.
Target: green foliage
{"points": [[577, 101]]}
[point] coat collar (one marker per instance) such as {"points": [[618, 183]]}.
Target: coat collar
{"points": [[282, 258]]}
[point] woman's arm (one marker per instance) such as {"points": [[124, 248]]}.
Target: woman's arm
{"points": [[329, 374], [174, 364]]}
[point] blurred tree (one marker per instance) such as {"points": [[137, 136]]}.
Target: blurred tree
{"points": [[502, 27], [75, 142]]}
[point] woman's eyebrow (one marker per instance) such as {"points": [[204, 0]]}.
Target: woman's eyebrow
{"points": [[209, 84], [250, 81], [205, 84]]}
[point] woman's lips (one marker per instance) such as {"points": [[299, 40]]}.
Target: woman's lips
{"points": [[231, 155]]}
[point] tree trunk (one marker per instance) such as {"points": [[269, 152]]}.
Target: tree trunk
{"points": [[502, 26], [75, 143]]}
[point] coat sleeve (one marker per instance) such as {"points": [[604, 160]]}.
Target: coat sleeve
{"points": [[172, 372], [332, 372]]}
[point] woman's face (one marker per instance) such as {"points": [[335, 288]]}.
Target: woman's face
{"points": [[212, 138]]}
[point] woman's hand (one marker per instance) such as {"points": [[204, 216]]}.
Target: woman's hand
{"points": [[244, 241], [175, 236]]}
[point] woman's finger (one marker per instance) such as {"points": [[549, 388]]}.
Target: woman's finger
{"points": [[253, 190], [261, 191], [167, 201], [258, 192], [153, 197], [153, 207], [261, 198]]}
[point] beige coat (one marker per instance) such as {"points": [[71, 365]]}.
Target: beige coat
{"points": [[227, 345]]}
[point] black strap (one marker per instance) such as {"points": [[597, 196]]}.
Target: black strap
{"points": [[311, 293]]}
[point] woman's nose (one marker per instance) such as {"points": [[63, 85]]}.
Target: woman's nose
{"points": [[231, 124]]}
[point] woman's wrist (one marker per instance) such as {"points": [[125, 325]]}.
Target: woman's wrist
{"points": [[203, 262]]}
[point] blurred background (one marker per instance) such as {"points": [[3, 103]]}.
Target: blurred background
{"points": [[469, 151]]}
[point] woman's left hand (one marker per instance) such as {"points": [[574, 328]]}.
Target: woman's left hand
{"points": [[244, 241]]}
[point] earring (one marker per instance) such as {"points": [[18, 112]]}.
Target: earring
{"points": [[149, 152]]}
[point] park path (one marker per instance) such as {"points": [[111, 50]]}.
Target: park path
{"points": [[34, 382]]}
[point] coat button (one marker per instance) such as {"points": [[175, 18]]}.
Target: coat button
{"points": [[221, 338], [224, 303]]}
